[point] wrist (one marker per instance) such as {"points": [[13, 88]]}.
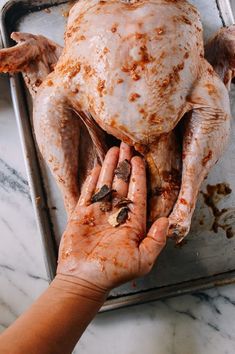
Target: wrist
{"points": [[79, 288]]}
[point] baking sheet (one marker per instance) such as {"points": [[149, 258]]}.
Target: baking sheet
{"points": [[208, 257]]}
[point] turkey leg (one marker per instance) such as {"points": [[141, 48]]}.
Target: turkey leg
{"points": [[57, 133], [206, 134]]}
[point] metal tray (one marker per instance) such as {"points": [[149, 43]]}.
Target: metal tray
{"points": [[208, 257]]}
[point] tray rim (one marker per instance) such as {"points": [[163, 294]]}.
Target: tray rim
{"points": [[41, 211]]}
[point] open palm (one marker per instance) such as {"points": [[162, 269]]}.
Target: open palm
{"points": [[92, 248]]}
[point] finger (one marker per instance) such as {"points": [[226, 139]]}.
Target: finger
{"points": [[108, 167], [137, 188], [89, 186], [153, 244], [119, 184]]}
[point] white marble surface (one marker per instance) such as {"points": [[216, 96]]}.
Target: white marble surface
{"points": [[201, 323]]}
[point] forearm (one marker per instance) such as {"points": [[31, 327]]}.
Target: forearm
{"points": [[56, 321], [104, 254]]}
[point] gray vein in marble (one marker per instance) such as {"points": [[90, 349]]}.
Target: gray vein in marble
{"points": [[8, 226], [4, 266], [227, 299], [193, 317], [208, 299], [9, 308], [3, 326], [19, 289], [173, 338], [33, 276], [187, 313], [10, 179], [12, 232], [213, 326]]}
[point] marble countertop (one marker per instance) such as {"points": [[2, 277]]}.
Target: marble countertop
{"points": [[203, 322]]}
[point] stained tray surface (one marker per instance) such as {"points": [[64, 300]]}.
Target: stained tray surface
{"points": [[206, 253]]}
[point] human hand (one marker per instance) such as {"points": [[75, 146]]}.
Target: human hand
{"points": [[95, 251]]}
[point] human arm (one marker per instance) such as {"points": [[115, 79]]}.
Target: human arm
{"points": [[94, 257]]}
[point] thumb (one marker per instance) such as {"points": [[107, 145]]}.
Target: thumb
{"points": [[153, 244]]}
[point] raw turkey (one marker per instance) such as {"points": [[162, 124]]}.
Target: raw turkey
{"points": [[135, 71]]}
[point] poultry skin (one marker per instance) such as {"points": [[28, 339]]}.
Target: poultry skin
{"points": [[136, 70]]}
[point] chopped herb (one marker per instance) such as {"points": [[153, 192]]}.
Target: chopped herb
{"points": [[104, 192], [119, 217], [123, 171], [121, 202]]}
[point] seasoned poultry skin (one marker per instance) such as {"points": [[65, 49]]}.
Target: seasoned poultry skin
{"points": [[132, 69]]}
